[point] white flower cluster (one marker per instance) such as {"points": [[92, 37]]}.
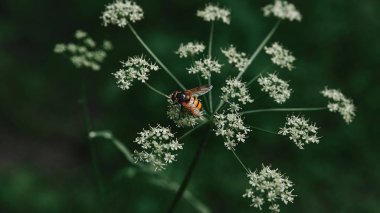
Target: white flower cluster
{"points": [[158, 146], [214, 13], [277, 88], [339, 103], [299, 130], [238, 59], [235, 90], [190, 49], [121, 12], [134, 68], [84, 53], [280, 56], [269, 185], [231, 127], [181, 118], [206, 67], [282, 10]]}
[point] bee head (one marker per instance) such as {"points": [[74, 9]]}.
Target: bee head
{"points": [[181, 96], [178, 96]]}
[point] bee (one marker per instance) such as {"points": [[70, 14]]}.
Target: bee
{"points": [[189, 99]]}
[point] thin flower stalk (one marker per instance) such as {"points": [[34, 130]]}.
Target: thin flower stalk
{"points": [[284, 110], [189, 173], [210, 56], [261, 46], [155, 57], [156, 90]]}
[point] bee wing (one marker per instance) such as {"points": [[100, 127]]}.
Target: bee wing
{"points": [[201, 90], [192, 109]]}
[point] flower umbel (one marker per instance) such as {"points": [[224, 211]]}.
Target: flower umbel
{"points": [[214, 13], [181, 118], [300, 130], [269, 185], [282, 10], [280, 56], [231, 127], [134, 68], [158, 146], [339, 103], [236, 90], [238, 59], [121, 12], [278, 89], [190, 49], [205, 67], [84, 53]]}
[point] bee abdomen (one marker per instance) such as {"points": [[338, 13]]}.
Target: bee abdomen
{"points": [[197, 103], [199, 106]]}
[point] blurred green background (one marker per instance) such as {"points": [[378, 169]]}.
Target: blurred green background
{"points": [[45, 163]]}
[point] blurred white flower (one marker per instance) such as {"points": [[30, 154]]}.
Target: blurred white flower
{"points": [[84, 52], [107, 45], [158, 146], [280, 56], [79, 34], [190, 49], [278, 89], [282, 10], [339, 103], [205, 67], [214, 13], [121, 12], [60, 48], [300, 130], [269, 186], [238, 59], [136, 67], [235, 90], [181, 118], [231, 127]]}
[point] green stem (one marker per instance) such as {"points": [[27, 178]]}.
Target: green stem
{"points": [[155, 57], [254, 79], [221, 103], [192, 130], [285, 110], [88, 126], [200, 84], [209, 56], [156, 90], [263, 130], [210, 40], [188, 175], [261, 46], [241, 162], [210, 95]]}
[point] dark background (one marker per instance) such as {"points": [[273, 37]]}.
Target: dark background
{"points": [[45, 163]]}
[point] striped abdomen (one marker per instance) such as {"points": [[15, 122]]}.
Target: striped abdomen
{"points": [[196, 103]]}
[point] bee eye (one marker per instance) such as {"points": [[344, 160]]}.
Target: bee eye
{"points": [[181, 96]]}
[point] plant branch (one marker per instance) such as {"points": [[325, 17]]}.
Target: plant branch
{"points": [[200, 84], [241, 162], [156, 90], [209, 56], [284, 110], [263, 130], [189, 173], [155, 57], [192, 130], [261, 46], [88, 126]]}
